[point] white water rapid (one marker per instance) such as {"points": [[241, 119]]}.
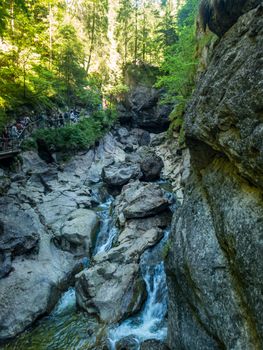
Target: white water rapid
{"points": [[150, 323]]}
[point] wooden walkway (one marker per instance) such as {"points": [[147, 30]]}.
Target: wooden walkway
{"points": [[9, 153], [11, 147]]}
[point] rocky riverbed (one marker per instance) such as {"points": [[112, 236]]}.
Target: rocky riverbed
{"points": [[57, 219]]}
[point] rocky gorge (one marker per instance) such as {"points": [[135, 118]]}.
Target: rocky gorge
{"points": [[139, 243], [59, 218]]}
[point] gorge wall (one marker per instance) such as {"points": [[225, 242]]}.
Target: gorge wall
{"points": [[215, 266]]}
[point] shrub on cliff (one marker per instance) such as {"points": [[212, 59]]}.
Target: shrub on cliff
{"points": [[74, 137], [179, 65]]}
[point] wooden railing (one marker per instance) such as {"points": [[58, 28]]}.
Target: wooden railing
{"points": [[11, 146]]}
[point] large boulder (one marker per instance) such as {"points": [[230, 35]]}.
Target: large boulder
{"points": [[110, 291], [151, 164], [15, 239], [220, 15], [153, 345], [214, 268], [142, 136], [133, 138], [78, 232], [37, 274], [142, 108], [119, 174], [127, 343], [31, 162], [32, 289], [140, 200]]}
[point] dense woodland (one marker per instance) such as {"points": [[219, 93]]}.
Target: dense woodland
{"points": [[59, 54]]}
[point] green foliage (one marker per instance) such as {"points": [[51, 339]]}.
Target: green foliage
{"points": [[124, 30], [179, 66], [74, 137], [117, 91], [3, 118], [142, 31], [166, 249], [58, 54], [93, 14], [42, 59], [141, 73], [29, 144]]}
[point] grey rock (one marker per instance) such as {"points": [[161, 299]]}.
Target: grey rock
{"points": [[127, 343], [221, 17], [113, 288], [151, 165], [225, 109], [5, 183], [78, 232], [139, 200], [5, 264], [15, 239], [123, 132], [110, 291], [32, 163], [132, 242], [142, 136], [33, 284], [153, 345], [142, 108], [157, 139], [33, 288], [133, 158], [119, 174], [134, 138], [214, 266]]}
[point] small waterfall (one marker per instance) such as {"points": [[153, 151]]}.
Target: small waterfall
{"points": [[66, 328], [150, 323], [107, 229], [66, 304]]}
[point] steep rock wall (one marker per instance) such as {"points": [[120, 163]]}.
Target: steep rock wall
{"points": [[215, 267]]}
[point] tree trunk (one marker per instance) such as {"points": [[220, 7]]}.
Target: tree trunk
{"points": [[92, 37], [12, 16], [125, 43], [24, 80], [136, 32], [144, 35], [50, 36]]}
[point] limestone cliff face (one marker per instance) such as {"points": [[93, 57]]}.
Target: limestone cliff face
{"points": [[141, 107], [215, 265]]}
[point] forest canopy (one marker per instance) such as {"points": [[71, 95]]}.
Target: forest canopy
{"points": [[63, 53]]}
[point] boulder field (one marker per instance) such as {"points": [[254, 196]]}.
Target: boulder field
{"points": [[49, 224]]}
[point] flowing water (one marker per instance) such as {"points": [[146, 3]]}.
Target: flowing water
{"points": [[150, 323], [107, 229], [66, 328]]}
